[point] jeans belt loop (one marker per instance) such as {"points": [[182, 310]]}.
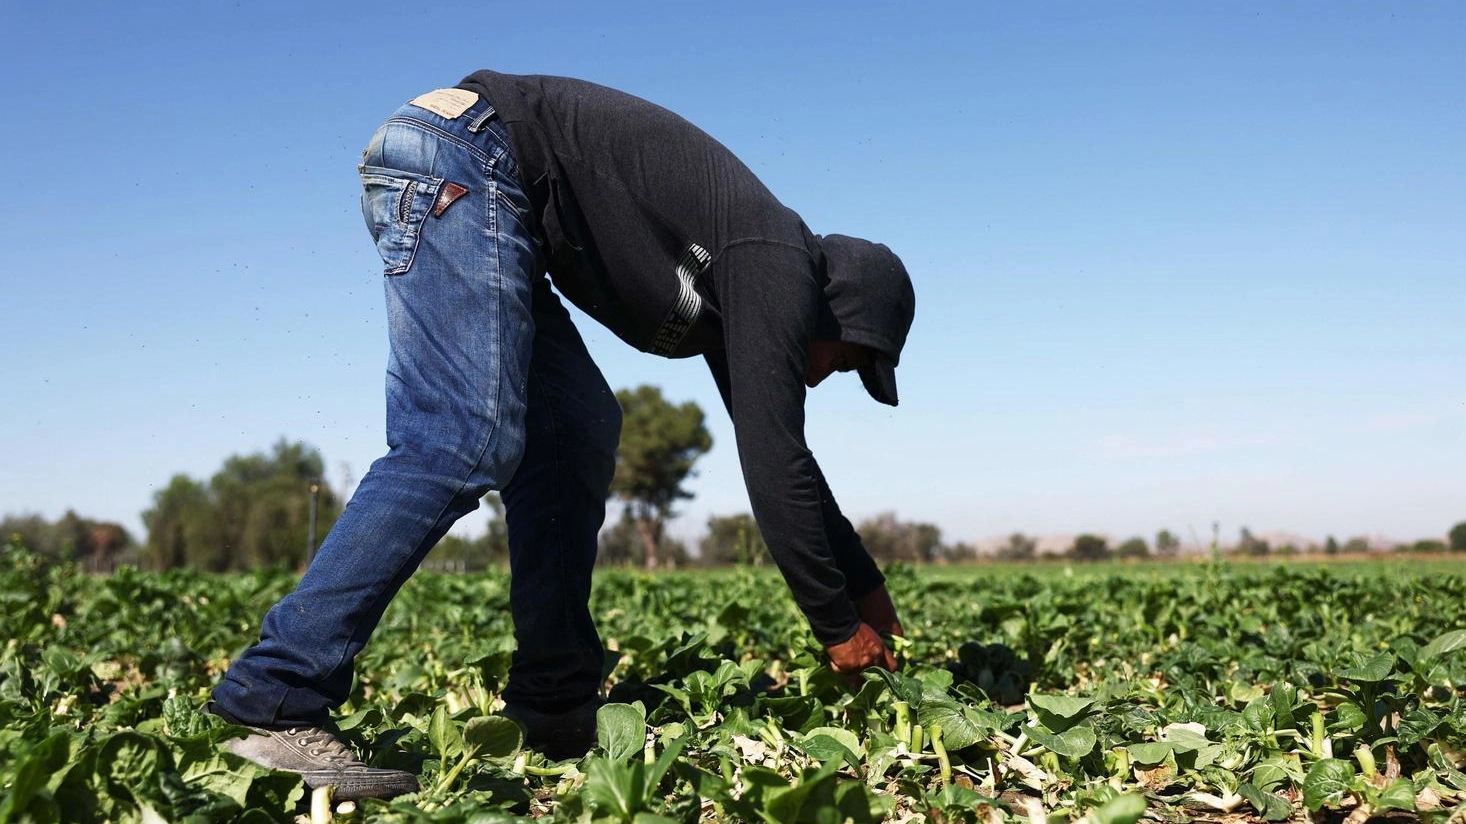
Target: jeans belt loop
{"points": [[482, 119]]}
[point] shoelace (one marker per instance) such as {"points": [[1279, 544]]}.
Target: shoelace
{"points": [[320, 743]]}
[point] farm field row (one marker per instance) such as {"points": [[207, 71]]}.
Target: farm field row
{"points": [[1168, 692]]}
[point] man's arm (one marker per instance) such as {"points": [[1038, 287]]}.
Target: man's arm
{"points": [[864, 581], [769, 308], [863, 578], [767, 296]]}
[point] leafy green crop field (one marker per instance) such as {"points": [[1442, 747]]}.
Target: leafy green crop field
{"points": [[1210, 691]]}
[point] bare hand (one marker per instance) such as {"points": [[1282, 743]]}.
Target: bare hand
{"points": [[864, 649], [876, 609]]}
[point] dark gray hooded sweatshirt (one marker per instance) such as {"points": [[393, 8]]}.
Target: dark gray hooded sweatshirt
{"points": [[656, 230]]}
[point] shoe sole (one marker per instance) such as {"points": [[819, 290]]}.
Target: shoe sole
{"points": [[349, 787]]}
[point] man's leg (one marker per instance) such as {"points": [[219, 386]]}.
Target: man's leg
{"points": [[554, 507], [459, 267]]}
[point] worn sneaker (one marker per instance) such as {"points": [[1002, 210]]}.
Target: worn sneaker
{"points": [[558, 735], [321, 760]]}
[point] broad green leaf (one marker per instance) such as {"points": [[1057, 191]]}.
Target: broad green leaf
{"points": [[783, 806], [903, 687], [1059, 712], [61, 661], [1348, 717], [935, 681], [1275, 772], [48, 757], [663, 763], [1122, 809], [1372, 671], [846, 740], [1074, 742], [1259, 714], [1283, 698], [1445, 766], [1416, 724], [1444, 645], [959, 729], [1399, 795], [1270, 806], [275, 790], [1185, 737], [209, 770], [447, 741], [615, 787], [1326, 783], [856, 803], [367, 718], [957, 797], [493, 736], [1149, 753], [1242, 693], [130, 760], [621, 730]]}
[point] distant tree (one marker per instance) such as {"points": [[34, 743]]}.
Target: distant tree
{"points": [[1020, 547], [1429, 545], [1457, 539], [182, 530], [660, 442], [108, 541], [888, 539], [1331, 546], [495, 540], [1167, 545], [1090, 548], [263, 502], [255, 511], [959, 553], [733, 539], [98, 544], [1133, 548], [1356, 546], [450, 554], [74, 535], [1250, 544], [31, 531], [621, 545]]}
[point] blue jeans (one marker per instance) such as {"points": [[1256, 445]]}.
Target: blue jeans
{"points": [[489, 387]]}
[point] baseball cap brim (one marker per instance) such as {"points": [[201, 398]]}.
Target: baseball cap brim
{"points": [[880, 380]]}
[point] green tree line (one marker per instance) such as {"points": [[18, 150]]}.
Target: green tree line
{"points": [[256, 511], [99, 545]]}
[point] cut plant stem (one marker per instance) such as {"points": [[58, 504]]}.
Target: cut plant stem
{"points": [[452, 775], [944, 765], [903, 721], [1365, 756], [321, 804], [562, 769], [1322, 747]]}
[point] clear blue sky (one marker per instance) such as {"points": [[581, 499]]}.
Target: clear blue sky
{"points": [[1175, 263]]}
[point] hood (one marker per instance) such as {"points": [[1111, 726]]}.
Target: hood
{"points": [[872, 301]]}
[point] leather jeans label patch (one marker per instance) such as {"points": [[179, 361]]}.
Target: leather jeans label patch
{"points": [[448, 103]]}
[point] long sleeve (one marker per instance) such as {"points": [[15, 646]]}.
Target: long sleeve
{"points": [[768, 299]]}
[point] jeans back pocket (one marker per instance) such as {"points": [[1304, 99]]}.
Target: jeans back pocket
{"points": [[395, 205]]}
